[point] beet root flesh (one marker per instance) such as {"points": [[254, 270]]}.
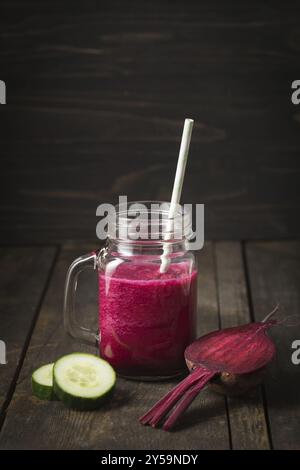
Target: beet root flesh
{"points": [[238, 350]]}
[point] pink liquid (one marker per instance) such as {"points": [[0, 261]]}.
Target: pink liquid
{"points": [[147, 318]]}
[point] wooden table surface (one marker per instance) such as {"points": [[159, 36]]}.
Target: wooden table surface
{"points": [[238, 282]]}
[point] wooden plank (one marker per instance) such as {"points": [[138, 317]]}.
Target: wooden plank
{"points": [[33, 424], [274, 271], [58, 204], [246, 414], [112, 83], [23, 278]]}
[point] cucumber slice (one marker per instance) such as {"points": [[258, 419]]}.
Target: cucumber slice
{"points": [[83, 381], [42, 382]]}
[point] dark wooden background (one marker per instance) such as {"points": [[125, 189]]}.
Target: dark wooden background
{"points": [[97, 93]]}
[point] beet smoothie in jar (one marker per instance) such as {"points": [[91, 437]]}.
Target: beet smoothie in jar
{"points": [[147, 315]]}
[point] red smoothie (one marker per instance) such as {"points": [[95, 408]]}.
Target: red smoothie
{"points": [[146, 318]]}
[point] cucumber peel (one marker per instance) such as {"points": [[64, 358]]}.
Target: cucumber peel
{"points": [[42, 382], [83, 381]]}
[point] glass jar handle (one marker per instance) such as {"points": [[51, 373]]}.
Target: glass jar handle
{"points": [[71, 324]]}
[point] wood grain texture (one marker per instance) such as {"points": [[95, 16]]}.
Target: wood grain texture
{"points": [[96, 101], [274, 270], [273, 275], [23, 278], [248, 425], [32, 424]]}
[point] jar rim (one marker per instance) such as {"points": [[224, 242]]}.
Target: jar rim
{"points": [[149, 221]]}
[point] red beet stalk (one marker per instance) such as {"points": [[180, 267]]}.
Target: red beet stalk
{"points": [[187, 399], [162, 407], [239, 350]]}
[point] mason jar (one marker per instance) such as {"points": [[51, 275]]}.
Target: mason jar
{"points": [[147, 289]]}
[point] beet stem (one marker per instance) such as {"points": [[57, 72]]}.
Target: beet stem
{"points": [[187, 399], [161, 408], [145, 419], [173, 399], [271, 314]]}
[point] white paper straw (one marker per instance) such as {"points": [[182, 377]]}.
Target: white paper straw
{"points": [[177, 189]]}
